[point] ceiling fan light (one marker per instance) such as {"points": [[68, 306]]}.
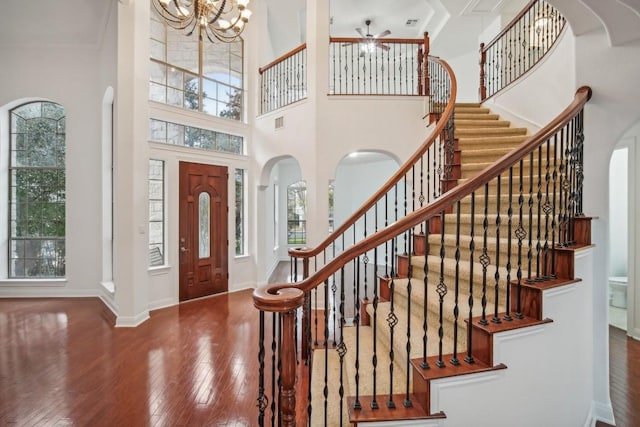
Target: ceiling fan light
{"points": [[245, 15], [242, 4]]}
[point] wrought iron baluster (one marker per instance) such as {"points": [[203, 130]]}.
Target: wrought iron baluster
{"points": [[374, 358], [521, 233], [407, 401], [262, 397], [539, 215], [356, 321], [456, 310], [342, 347], [530, 246], [274, 365], [547, 209], [507, 316], [425, 281], [472, 246], [442, 291], [392, 320], [485, 260], [496, 318]]}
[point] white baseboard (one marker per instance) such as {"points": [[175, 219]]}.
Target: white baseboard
{"points": [[132, 321], [601, 412], [162, 303]]}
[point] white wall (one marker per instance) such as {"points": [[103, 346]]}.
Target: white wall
{"points": [[70, 77]]}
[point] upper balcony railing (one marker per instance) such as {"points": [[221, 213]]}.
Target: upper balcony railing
{"points": [[519, 46], [356, 67], [377, 66], [284, 80]]}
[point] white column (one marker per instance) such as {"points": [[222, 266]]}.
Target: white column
{"points": [[131, 164]]}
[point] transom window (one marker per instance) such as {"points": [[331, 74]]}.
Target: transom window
{"points": [[195, 75], [37, 194]]}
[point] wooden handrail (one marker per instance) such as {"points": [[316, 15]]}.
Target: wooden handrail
{"points": [[364, 40], [287, 55], [395, 178], [276, 296]]}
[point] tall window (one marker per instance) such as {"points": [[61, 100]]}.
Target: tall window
{"points": [[240, 189], [156, 213], [297, 213], [199, 76], [37, 191]]}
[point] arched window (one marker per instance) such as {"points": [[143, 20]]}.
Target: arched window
{"points": [[193, 74], [297, 213], [37, 191]]}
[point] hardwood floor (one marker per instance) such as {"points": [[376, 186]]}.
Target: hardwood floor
{"points": [[62, 363]]}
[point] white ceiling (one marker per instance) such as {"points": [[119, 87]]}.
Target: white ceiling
{"points": [[54, 22]]}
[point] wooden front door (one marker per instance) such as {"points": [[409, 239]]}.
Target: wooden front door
{"points": [[203, 236]]}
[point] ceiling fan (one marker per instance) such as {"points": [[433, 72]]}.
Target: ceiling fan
{"points": [[369, 41]]}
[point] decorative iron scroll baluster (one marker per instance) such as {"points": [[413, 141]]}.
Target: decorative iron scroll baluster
{"points": [[374, 358], [421, 196], [325, 389], [562, 203], [472, 246], [334, 288], [356, 321], [274, 379], [365, 261], [547, 209], [407, 402], [262, 397], [425, 281], [342, 347], [530, 245], [442, 291], [539, 215], [456, 310], [496, 318], [553, 206], [579, 162], [519, 46], [405, 214], [521, 233], [386, 244], [392, 320], [484, 258], [507, 315]]}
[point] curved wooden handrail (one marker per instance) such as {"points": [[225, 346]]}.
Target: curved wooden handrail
{"points": [[287, 55], [395, 178], [277, 296]]}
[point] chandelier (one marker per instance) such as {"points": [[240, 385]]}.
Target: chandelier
{"points": [[220, 19]]}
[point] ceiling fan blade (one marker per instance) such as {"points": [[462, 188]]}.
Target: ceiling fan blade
{"points": [[382, 34], [382, 46], [359, 31]]}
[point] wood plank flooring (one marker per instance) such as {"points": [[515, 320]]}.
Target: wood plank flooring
{"points": [[62, 363]]}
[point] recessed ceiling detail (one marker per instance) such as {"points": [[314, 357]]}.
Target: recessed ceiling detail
{"points": [[483, 7]]}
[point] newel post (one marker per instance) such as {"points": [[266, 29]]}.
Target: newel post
{"points": [[483, 62], [425, 63], [285, 300]]}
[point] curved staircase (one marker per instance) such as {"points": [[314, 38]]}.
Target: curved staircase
{"points": [[446, 268]]}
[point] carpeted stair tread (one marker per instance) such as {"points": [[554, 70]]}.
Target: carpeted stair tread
{"points": [[480, 142], [478, 116], [477, 132], [471, 123], [464, 242], [459, 105], [471, 109]]}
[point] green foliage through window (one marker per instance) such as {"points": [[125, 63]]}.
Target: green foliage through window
{"points": [[37, 195]]}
